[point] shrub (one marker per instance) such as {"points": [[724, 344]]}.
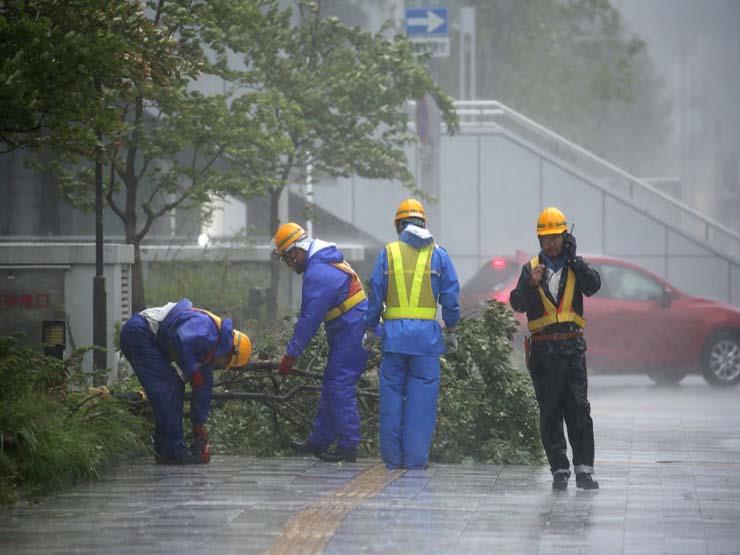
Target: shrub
{"points": [[486, 412], [52, 434], [487, 409], [234, 290]]}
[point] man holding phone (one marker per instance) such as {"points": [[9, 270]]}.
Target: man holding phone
{"points": [[550, 290]]}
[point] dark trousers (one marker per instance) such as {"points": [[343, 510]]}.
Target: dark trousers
{"points": [[164, 388], [561, 386]]}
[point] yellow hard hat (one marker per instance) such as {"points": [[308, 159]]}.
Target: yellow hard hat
{"points": [[410, 208], [242, 350], [286, 236], [551, 221]]}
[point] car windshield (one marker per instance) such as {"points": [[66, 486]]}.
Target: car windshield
{"points": [[618, 282], [492, 277]]}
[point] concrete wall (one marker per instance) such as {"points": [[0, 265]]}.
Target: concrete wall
{"points": [[492, 186], [77, 261]]}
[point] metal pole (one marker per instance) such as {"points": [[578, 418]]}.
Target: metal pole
{"points": [[309, 196], [100, 332], [461, 63], [467, 44]]}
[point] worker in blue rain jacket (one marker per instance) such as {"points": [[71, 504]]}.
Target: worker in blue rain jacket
{"points": [[170, 346], [332, 293], [411, 276]]}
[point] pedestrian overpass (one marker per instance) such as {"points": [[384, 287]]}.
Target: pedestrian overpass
{"points": [[494, 176]]}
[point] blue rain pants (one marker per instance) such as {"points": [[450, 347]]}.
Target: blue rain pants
{"points": [[409, 385], [163, 386], [337, 419]]}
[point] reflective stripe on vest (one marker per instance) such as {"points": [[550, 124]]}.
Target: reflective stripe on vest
{"points": [[564, 312], [355, 295], [409, 268]]}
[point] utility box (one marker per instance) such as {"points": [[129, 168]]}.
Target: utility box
{"points": [[54, 281]]}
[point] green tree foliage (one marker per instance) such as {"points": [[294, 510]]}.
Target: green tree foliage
{"points": [[65, 55], [50, 433], [318, 92], [570, 65], [487, 411], [221, 286], [175, 146], [339, 94]]}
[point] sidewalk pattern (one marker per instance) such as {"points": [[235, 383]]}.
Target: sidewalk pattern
{"points": [[669, 467]]}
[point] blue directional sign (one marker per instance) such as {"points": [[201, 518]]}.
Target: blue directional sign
{"points": [[426, 22]]}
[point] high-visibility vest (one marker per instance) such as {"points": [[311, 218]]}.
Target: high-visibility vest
{"points": [[355, 295], [409, 293], [564, 312]]}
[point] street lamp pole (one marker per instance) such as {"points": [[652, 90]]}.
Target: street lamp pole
{"points": [[100, 331]]}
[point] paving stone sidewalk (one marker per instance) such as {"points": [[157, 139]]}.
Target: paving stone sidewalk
{"points": [[668, 462]]}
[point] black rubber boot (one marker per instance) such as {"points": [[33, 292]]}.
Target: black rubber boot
{"points": [[560, 482], [188, 457], [347, 455], [586, 481], [305, 448], [329, 456]]}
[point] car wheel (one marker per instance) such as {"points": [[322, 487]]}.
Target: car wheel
{"points": [[721, 361], [666, 377]]}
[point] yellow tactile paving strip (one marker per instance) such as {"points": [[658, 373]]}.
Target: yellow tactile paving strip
{"points": [[309, 531]]}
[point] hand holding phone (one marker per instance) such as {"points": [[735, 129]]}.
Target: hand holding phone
{"points": [[570, 246]]}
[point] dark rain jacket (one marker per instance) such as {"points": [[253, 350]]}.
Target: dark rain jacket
{"points": [[525, 298]]}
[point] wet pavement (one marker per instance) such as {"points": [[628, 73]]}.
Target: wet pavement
{"points": [[668, 460]]}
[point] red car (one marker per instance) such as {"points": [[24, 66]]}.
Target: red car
{"points": [[637, 322]]}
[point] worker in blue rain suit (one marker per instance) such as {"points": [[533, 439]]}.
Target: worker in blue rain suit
{"points": [[175, 344], [411, 276], [332, 293], [550, 290]]}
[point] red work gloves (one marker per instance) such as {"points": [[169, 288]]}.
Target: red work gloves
{"points": [[286, 365], [201, 446], [196, 380]]}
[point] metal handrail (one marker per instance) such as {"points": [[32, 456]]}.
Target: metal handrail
{"points": [[489, 110]]}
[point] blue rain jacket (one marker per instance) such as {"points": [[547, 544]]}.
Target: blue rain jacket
{"points": [[409, 335], [325, 287], [192, 339]]}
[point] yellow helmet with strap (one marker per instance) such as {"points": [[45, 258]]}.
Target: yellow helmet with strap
{"points": [[410, 208], [551, 221], [242, 350], [286, 236]]}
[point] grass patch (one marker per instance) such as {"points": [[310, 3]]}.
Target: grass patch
{"points": [[53, 434]]}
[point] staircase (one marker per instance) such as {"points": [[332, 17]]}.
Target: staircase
{"points": [[639, 195]]}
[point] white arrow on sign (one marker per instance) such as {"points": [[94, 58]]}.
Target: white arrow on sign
{"points": [[432, 21]]}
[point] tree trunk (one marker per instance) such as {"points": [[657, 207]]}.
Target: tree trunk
{"points": [[50, 199], [272, 294], [138, 300]]}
